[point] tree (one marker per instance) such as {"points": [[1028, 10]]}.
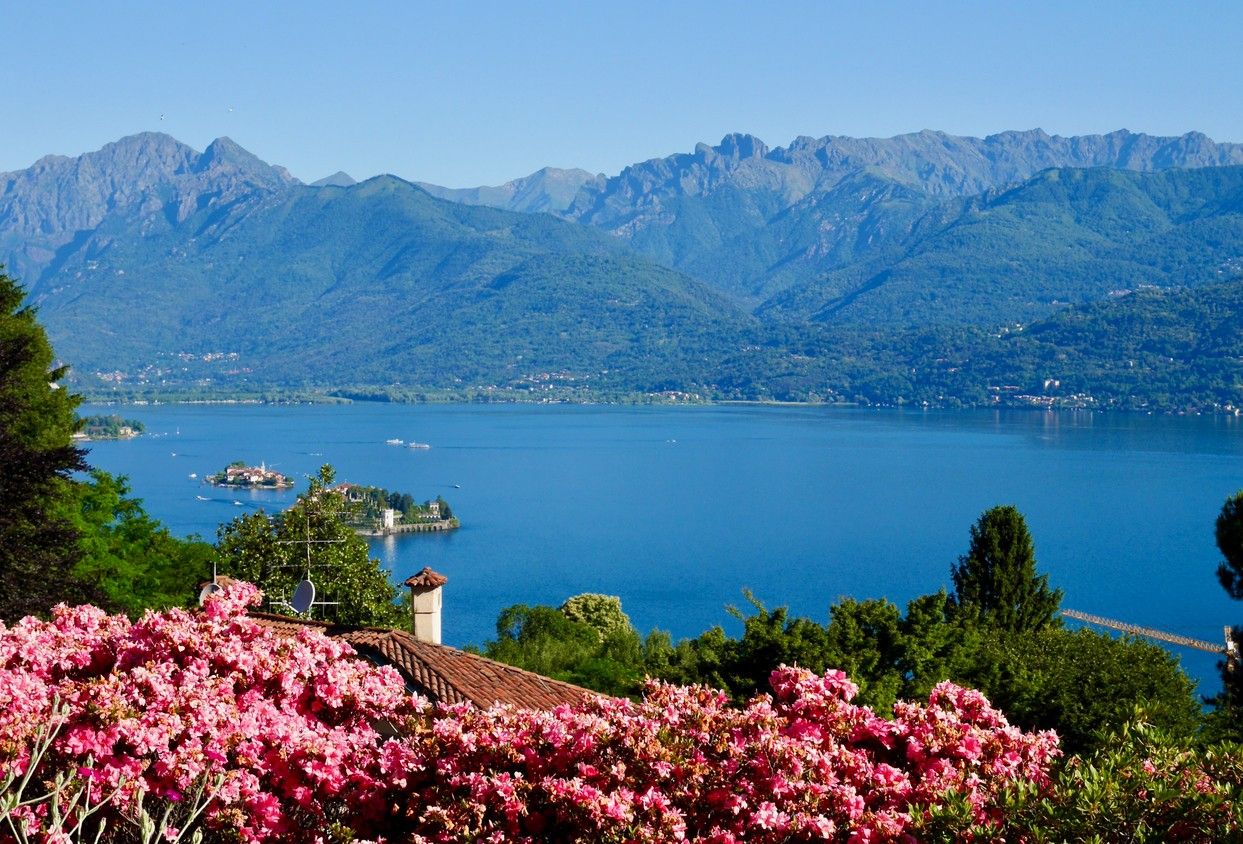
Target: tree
{"points": [[272, 553], [996, 581], [1229, 535], [132, 559], [547, 641], [1227, 721], [38, 545], [603, 613], [1083, 684]]}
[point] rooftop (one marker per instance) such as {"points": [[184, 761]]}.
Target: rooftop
{"points": [[440, 672]]}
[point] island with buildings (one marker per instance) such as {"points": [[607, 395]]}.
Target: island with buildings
{"points": [[240, 476], [110, 427], [379, 512]]}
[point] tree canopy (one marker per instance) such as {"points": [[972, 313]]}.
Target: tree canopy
{"points": [[38, 544], [996, 579], [272, 551]]}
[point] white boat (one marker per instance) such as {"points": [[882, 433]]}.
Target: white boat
{"points": [[237, 504], [193, 475], [202, 498], [393, 441], [418, 445]]}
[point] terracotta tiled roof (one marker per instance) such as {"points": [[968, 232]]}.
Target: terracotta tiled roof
{"points": [[440, 672], [426, 577]]}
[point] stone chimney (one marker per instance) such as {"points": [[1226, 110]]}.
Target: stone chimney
{"points": [[425, 600]]}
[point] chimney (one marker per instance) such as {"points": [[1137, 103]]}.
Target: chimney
{"points": [[425, 600]]}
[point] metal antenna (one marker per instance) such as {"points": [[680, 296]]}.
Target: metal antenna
{"points": [[304, 593]]}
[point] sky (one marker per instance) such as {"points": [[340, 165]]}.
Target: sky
{"points": [[469, 93]]}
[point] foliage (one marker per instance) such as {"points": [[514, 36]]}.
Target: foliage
{"points": [[38, 547], [804, 765], [158, 707], [999, 636], [1084, 684], [602, 613], [996, 580], [549, 642], [1229, 535], [1141, 786], [72, 805], [1228, 719], [110, 426], [272, 552], [372, 500], [286, 727], [131, 559]]}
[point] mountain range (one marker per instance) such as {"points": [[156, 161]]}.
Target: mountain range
{"points": [[831, 268]]}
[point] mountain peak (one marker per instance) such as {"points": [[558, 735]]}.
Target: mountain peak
{"points": [[225, 149], [339, 179], [740, 145], [226, 152]]}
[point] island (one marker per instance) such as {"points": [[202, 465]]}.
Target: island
{"points": [[378, 512], [240, 476], [111, 427]]}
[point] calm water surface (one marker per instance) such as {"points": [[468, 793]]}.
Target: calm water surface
{"points": [[678, 509]]}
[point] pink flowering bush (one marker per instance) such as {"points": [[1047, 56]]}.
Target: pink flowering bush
{"points": [[300, 743], [284, 728], [803, 765]]}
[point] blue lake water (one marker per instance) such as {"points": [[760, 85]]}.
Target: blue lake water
{"points": [[678, 509]]}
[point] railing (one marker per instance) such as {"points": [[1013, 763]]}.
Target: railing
{"points": [[1161, 635]]}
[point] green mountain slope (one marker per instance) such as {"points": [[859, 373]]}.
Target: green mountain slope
{"points": [[381, 283], [1064, 236], [699, 211]]}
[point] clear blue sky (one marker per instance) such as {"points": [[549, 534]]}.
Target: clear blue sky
{"points": [[463, 93]]}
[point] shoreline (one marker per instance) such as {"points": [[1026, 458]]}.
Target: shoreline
{"points": [[645, 400]]}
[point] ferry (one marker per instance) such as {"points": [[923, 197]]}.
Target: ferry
{"points": [[393, 441]]}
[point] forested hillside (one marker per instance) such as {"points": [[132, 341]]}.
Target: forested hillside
{"points": [[922, 268]]}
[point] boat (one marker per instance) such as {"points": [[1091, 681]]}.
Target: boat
{"points": [[418, 445], [393, 441], [193, 475], [202, 498], [237, 504]]}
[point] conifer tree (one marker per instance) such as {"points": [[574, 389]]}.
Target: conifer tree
{"points": [[38, 545], [1228, 720], [996, 580]]}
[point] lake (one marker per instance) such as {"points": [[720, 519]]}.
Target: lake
{"points": [[677, 510]]}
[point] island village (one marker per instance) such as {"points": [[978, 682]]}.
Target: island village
{"points": [[373, 511]]}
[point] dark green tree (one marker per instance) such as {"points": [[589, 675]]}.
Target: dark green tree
{"points": [[1229, 535], [272, 553], [38, 544], [1227, 720], [865, 641], [1083, 684], [937, 644], [996, 583]]}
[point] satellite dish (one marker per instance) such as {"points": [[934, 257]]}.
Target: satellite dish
{"points": [[207, 591], [303, 597]]}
